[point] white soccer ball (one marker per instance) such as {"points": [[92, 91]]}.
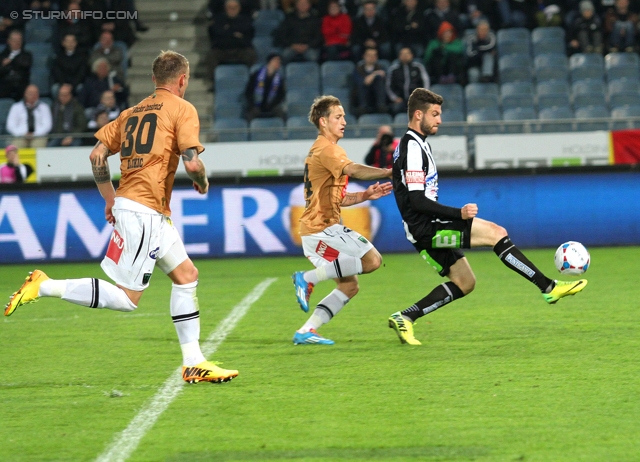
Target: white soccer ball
{"points": [[572, 258]]}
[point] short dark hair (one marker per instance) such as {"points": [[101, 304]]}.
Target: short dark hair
{"points": [[321, 107], [421, 99], [168, 66]]}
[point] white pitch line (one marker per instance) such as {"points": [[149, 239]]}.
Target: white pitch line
{"points": [[127, 441]]}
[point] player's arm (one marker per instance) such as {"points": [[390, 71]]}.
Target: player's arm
{"points": [[102, 176], [365, 172], [373, 192], [420, 203], [195, 170]]}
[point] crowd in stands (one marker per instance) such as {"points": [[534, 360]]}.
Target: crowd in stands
{"points": [[61, 75], [398, 45]]}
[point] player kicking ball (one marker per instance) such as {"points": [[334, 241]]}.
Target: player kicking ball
{"points": [[336, 251], [151, 137], [438, 232]]}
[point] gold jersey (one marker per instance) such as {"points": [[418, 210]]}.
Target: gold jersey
{"points": [[324, 186], [150, 138]]}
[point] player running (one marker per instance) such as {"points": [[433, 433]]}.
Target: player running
{"points": [[336, 251], [151, 137], [438, 232]]}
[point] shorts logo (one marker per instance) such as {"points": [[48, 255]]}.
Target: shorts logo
{"points": [[363, 239], [146, 277], [116, 245], [326, 252], [154, 253], [415, 177], [447, 239]]}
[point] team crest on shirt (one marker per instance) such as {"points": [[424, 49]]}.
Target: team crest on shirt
{"points": [[154, 253]]}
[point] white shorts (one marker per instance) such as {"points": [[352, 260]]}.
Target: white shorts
{"points": [[139, 240], [324, 247]]}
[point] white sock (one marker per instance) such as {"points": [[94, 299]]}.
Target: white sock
{"points": [[328, 307], [91, 292], [186, 318], [339, 268]]}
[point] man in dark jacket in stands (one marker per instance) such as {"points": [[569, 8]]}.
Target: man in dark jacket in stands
{"points": [[69, 65], [68, 118], [299, 34], [370, 30], [15, 67], [404, 76], [265, 90]]}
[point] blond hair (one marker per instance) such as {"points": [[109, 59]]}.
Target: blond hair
{"points": [[321, 107], [169, 66]]}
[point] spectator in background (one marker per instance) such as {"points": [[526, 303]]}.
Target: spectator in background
{"points": [[336, 31], [12, 171], [381, 154], [548, 14], [108, 105], [408, 28], [585, 34], [73, 23], [299, 34], [477, 10], [68, 117], [99, 120], [620, 24], [404, 76], [441, 12], [265, 90], [100, 80], [119, 26], [29, 120], [370, 30], [517, 13], [7, 23], [231, 34], [481, 54], [444, 57], [107, 50], [369, 84], [69, 65], [15, 67]]}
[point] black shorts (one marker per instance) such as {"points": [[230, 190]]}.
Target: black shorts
{"points": [[441, 245]]}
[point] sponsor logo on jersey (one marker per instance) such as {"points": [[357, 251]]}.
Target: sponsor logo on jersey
{"points": [[414, 177], [447, 239], [116, 245], [326, 252], [146, 277], [363, 239], [154, 253]]}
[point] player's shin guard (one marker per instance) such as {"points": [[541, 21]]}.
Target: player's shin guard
{"points": [[91, 292], [341, 267], [326, 310], [515, 260], [437, 298], [186, 319]]}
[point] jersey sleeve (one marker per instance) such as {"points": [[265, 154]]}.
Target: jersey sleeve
{"points": [[110, 135], [188, 129], [334, 159], [414, 174]]}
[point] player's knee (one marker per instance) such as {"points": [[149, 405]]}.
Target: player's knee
{"points": [[468, 285], [499, 232], [350, 289], [372, 263]]}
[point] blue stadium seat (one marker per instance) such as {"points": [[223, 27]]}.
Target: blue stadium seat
{"points": [[551, 66], [231, 77], [227, 111], [5, 106], [336, 73], [299, 101], [548, 40], [41, 73], [482, 89], [299, 128], [623, 86], [514, 33], [513, 41], [554, 101], [624, 99], [231, 129], [368, 124], [446, 128], [583, 114], [39, 30], [401, 119], [227, 97], [516, 88], [474, 103], [477, 121], [588, 93], [517, 101], [586, 66], [263, 46], [622, 65], [623, 113], [453, 95], [515, 68], [551, 116], [267, 129], [264, 27], [519, 114], [552, 87], [303, 75], [343, 94]]}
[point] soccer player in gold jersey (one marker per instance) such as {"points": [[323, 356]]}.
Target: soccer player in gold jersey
{"points": [[151, 137], [337, 252]]}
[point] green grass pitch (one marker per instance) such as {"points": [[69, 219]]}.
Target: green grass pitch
{"points": [[501, 375]]}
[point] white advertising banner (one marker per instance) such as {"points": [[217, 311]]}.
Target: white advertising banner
{"points": [[542, 150]]}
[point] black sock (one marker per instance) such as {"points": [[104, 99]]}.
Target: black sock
{"points": [[515, 260], [440, 296]]}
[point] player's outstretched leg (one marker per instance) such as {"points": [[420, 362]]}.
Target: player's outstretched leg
{"points": [[310, 338], [404, 328], [206, 371], [29, 292], [564, 288], [303, 289]]}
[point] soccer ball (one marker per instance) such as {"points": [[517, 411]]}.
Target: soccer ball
{"points": [[572, 258]]}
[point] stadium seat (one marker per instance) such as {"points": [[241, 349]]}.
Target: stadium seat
{"points": [[299, 128], [513, 41], [5, 106], [269, 15], [477, 121], [623, 113], [624, 99], [622, 65], [482, 89], [583, 114], [299, 101], [226, 97], [263, 27], [515, 68], [588, 93], [336, 73], [227, 111], [551, 66], [548, 40], [453, 95], [586, 66], [517, 101], [623, 86], [552, 87], [551, 116], [474, 103], [38, 30], [41, 72], [401, 120], [554, 101], [263, 46], [232, 129], [368, 124], [516, 88], [519, 114], [344, 95], [267, 129], [514, 33], [446, 128], [303, 75], [231, 77]]}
